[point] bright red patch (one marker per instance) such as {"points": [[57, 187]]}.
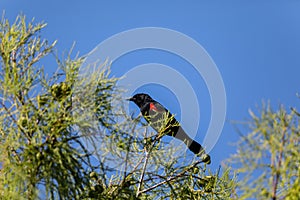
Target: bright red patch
{"points": [[153, 107]]}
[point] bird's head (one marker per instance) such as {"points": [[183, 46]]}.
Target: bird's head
{"points": [[140, 99]]}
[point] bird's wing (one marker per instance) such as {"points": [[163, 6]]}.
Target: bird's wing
{"points": [[157, 107], [158, 116]]}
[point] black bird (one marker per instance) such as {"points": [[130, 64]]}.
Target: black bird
{"points": [[163, 122]]}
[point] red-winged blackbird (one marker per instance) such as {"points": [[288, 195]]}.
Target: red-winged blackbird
{"points": [[165, 123]]}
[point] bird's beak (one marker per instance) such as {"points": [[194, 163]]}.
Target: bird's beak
{"points": [[130, 99]]}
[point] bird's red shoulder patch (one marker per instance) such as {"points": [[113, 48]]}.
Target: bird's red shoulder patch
{"points": [[153, 107], [156, 107]]}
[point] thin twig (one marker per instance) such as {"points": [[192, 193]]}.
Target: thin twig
{"points": [[126, 161], [170, 179], [147, 152], [15, 121], [135, 167], [143, 174], [277, 174]]}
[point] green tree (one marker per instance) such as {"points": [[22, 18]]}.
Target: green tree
{"points": [[268, 157], [46, 122]]}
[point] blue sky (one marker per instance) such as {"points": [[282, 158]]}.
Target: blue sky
{"points": [[255, 45]]}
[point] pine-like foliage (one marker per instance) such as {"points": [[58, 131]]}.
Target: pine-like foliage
{"points": [[268, 157], [47, 122]]}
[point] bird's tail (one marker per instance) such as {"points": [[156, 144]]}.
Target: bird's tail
{"points": [[193, 146]]}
